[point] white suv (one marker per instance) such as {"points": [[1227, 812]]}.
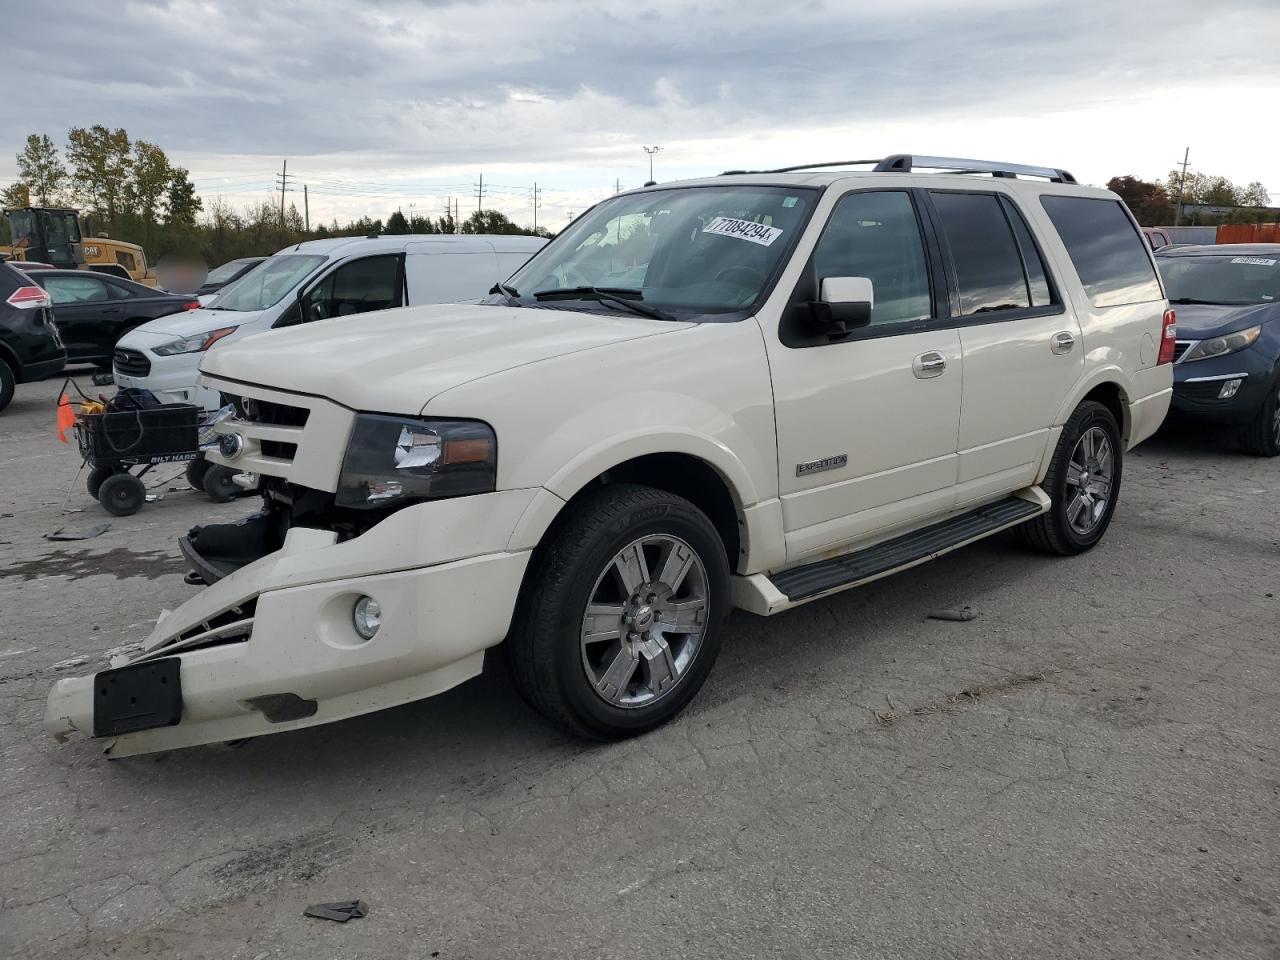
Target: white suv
{"points": [[747, 391]]}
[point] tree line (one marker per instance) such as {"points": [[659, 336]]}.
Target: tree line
{"points": [[130, 190], [1154, 203]]}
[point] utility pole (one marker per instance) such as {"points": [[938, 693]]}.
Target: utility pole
{"points": [[306, 209], [1182, 182], [480, 194], [457, 224], [284, 185], [617, 185], [537, 202], [651, 151]]}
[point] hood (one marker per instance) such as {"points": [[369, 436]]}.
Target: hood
{"points": [[1199, 321], [395, 361], [191, 322]]}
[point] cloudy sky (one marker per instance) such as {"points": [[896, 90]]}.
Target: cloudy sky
{"points": [[385, 103]]}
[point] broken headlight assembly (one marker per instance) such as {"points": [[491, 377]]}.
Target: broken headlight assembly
{"points": [[395, 460]]}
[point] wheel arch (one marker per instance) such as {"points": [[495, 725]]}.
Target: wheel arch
{"points": [[701, 472], [1106, 387]]}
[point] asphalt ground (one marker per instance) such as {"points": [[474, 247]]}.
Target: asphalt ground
{"points": [[1089, 768]]}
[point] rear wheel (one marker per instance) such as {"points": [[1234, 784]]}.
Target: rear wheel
{"points": [[1262, 436], [97, 477], [8, 381], [122, 494], [622, 613], [218, 484], [1083, 482], [196, 470]]}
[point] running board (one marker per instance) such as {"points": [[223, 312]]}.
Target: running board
{"points": [[767, 594]]}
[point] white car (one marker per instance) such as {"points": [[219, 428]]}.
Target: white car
{"points": [[747, 391], [315, 280]]}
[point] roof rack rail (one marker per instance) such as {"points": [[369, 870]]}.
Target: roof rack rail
{"points": [[906, 163]]}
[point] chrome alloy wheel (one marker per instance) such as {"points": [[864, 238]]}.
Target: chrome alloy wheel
{"points": [[1089, 476], [1275, 420], [644, 621]]}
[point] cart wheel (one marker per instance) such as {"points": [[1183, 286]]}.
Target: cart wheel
{"points": [[122, 494], [196, 471], [97, 477], [218, 485]]}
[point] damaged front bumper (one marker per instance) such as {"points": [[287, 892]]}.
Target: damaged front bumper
{"points": [[272, 646]]}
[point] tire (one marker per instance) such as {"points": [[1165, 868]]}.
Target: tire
{"points": [[1065, 529], [8, 382], [196, 471], [97, 477], [122, 494], [565, 677], [1262, 436], [218, 485]]}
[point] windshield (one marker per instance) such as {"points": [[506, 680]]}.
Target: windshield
{"points": [[267, 283], [225, 272], [1222, 279], [22, 228], [691, 250]]}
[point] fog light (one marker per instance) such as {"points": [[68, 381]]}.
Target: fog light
{"points": [[1230, 388], [366, 617]]}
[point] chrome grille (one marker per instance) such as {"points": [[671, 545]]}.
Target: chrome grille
{"points": [[1180, 347], [131, 363]]}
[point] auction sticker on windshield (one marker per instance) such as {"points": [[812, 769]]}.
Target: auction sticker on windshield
{"points": [[1255, 261], [744, 230]]}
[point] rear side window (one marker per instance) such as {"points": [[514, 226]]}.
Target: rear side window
{"points": [[1108, 252], [987, 261]]}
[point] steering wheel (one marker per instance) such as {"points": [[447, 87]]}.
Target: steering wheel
{"points": [[570, 277], [754, 278]]}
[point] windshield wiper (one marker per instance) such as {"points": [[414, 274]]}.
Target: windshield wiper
{"points": [[614, 295], [1211, 303], [511, 293]]}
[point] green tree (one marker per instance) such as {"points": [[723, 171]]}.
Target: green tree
{"points": [[1148, 201], [16, 195], [1254, 195], [100, 165], [397, 224], [42, 170], [181, 202], [489, 221]]}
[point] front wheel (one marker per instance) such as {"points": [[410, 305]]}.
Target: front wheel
{"points": [[122, 494], [622, 613], [1083, 481], [219, 484], [1262, 436], [8, 382]]}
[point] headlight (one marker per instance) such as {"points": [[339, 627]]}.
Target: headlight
{"points": [[397, 459], [201, 341], [1221, 346]]}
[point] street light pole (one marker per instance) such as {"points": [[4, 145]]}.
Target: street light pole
{"points": [[651, 151]]}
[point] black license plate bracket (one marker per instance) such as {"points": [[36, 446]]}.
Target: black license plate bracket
{"points": [[137, 697]]}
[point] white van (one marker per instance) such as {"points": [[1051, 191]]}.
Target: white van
{"points": [[315, 280]]}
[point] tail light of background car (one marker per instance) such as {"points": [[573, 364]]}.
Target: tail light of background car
{"points": [[191, 305], [29, 298], [1168, 337]]}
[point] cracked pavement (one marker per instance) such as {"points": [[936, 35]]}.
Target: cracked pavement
{"points": [[1089, 768]]}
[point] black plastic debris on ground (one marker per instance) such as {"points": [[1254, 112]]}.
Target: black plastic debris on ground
{"points": [[87, 533], [957, 614], [341, 912]]}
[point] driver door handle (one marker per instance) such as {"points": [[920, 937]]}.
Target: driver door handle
{"points": [[1062, 342], [928, 365]]}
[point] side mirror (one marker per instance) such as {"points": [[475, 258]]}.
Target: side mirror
{"points": [[843, 304]]}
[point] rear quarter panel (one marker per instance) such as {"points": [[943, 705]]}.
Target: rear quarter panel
{"points": [[1121, 343]]}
